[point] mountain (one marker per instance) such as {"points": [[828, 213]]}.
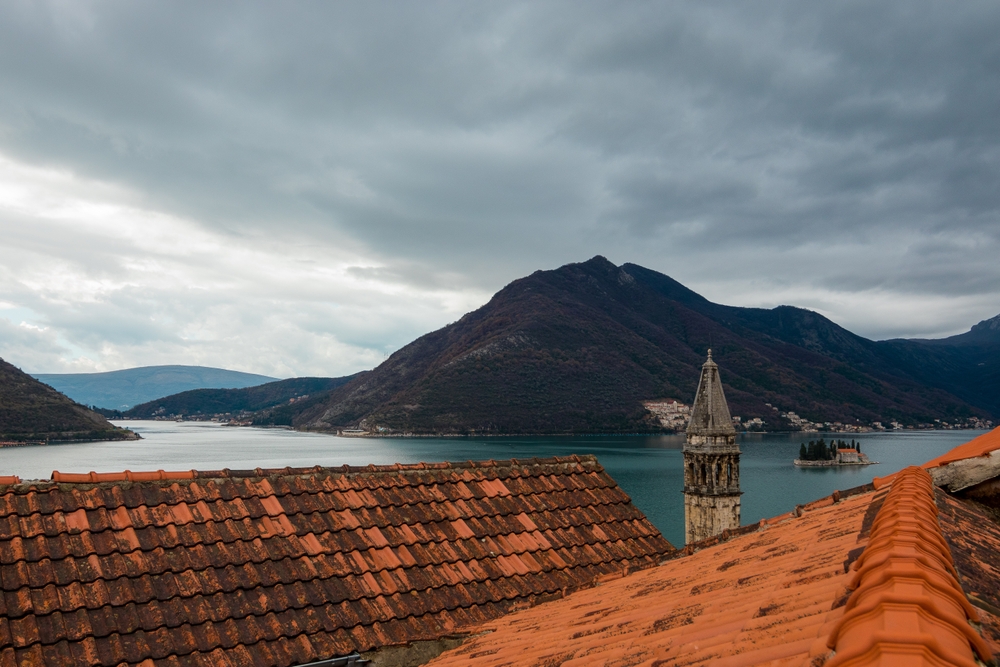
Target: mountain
{"points": [[30, 410], [578, 349], [967, 365], [211, 402], [122, 389]]}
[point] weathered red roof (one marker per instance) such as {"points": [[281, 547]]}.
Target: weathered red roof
{"points": [[860, 578], [284, 567]]}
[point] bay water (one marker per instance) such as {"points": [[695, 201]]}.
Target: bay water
{"points": [[648, 468]]}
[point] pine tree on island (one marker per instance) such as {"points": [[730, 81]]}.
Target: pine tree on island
{"points": [[837, 452]]}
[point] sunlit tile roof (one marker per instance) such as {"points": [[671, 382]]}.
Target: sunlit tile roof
{"points": [[859, 578], [766, 595], [290, 566], [985, 445], [907, 606], [981, 446]]}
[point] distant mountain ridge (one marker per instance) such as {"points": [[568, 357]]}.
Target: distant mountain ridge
{"points": [[125, 388], [577, 349], [33, 411], [202, 403]]}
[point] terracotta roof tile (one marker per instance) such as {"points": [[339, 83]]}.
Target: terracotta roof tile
{"points": [[978, 447], [780, 592], [907, 604], [981, 446], [280, 567]]}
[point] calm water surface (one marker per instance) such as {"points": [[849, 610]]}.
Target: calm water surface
{"points": [[647, 467]]}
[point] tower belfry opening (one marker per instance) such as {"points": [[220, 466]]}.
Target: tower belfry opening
{"points": [[711, 462]]}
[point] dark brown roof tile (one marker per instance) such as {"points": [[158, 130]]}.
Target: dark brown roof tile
{"points": [[282, 567]]}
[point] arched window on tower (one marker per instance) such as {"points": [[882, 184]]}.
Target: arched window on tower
{"points": [[704, 475], [729, 473]]}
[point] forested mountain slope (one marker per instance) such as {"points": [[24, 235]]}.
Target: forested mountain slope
{"points": [[31, 410], [208, 402], [578, 349]]}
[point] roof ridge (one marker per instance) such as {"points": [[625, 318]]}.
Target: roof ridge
{"points": [[164, 475], [906, 602]]}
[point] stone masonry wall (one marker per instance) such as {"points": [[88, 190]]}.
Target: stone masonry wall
{"points": [[706, 516]]}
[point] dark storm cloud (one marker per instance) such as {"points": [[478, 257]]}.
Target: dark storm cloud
{"points": [[821, 152]]}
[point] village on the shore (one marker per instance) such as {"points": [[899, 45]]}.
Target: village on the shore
{"points": [[674, 415]]}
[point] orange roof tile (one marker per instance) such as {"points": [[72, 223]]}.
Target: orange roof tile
{"points": [[774, 593], [764, 595], [907, 606], [980, 446], [284, 567]]}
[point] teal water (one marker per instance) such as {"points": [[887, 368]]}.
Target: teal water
{"points": [[648, 468]]}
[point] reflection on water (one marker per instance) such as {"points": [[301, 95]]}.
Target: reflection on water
{"points": [[649, 468]]}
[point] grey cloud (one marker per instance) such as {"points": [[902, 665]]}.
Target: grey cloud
{"points": [[468, 144]]}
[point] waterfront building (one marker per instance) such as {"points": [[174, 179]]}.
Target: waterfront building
{"points": [[711, 462]]}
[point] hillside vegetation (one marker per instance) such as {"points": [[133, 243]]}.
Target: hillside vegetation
{"points": [[578, 349], [199, 403], [31, 410]]}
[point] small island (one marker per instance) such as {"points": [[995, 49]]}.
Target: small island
{"points": [[838, 453]]}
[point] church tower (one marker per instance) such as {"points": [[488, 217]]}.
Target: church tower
{"points": [[711, 462]]}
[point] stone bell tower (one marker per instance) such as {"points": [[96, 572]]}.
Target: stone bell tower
{"points": [[711, 462]]}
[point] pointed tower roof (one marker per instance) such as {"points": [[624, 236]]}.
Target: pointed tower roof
{"points": [[710, 413]]}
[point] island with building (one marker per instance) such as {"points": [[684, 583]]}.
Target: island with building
{"points": [[818, 453]]}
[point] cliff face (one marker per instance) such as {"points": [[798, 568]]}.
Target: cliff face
{"points": [[30, 410], [577, 349]]}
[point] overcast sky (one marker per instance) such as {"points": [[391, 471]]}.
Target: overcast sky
{"points": [[301, 188]]}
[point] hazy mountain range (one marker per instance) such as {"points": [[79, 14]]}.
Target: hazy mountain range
{"points": [[122, 389]]}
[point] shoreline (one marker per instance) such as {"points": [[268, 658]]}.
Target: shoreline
{"points": [[5, 444], [799, 463], [367, 434]]}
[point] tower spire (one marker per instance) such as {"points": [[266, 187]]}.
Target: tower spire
{"points": [[710, 412], [711, 461]]}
